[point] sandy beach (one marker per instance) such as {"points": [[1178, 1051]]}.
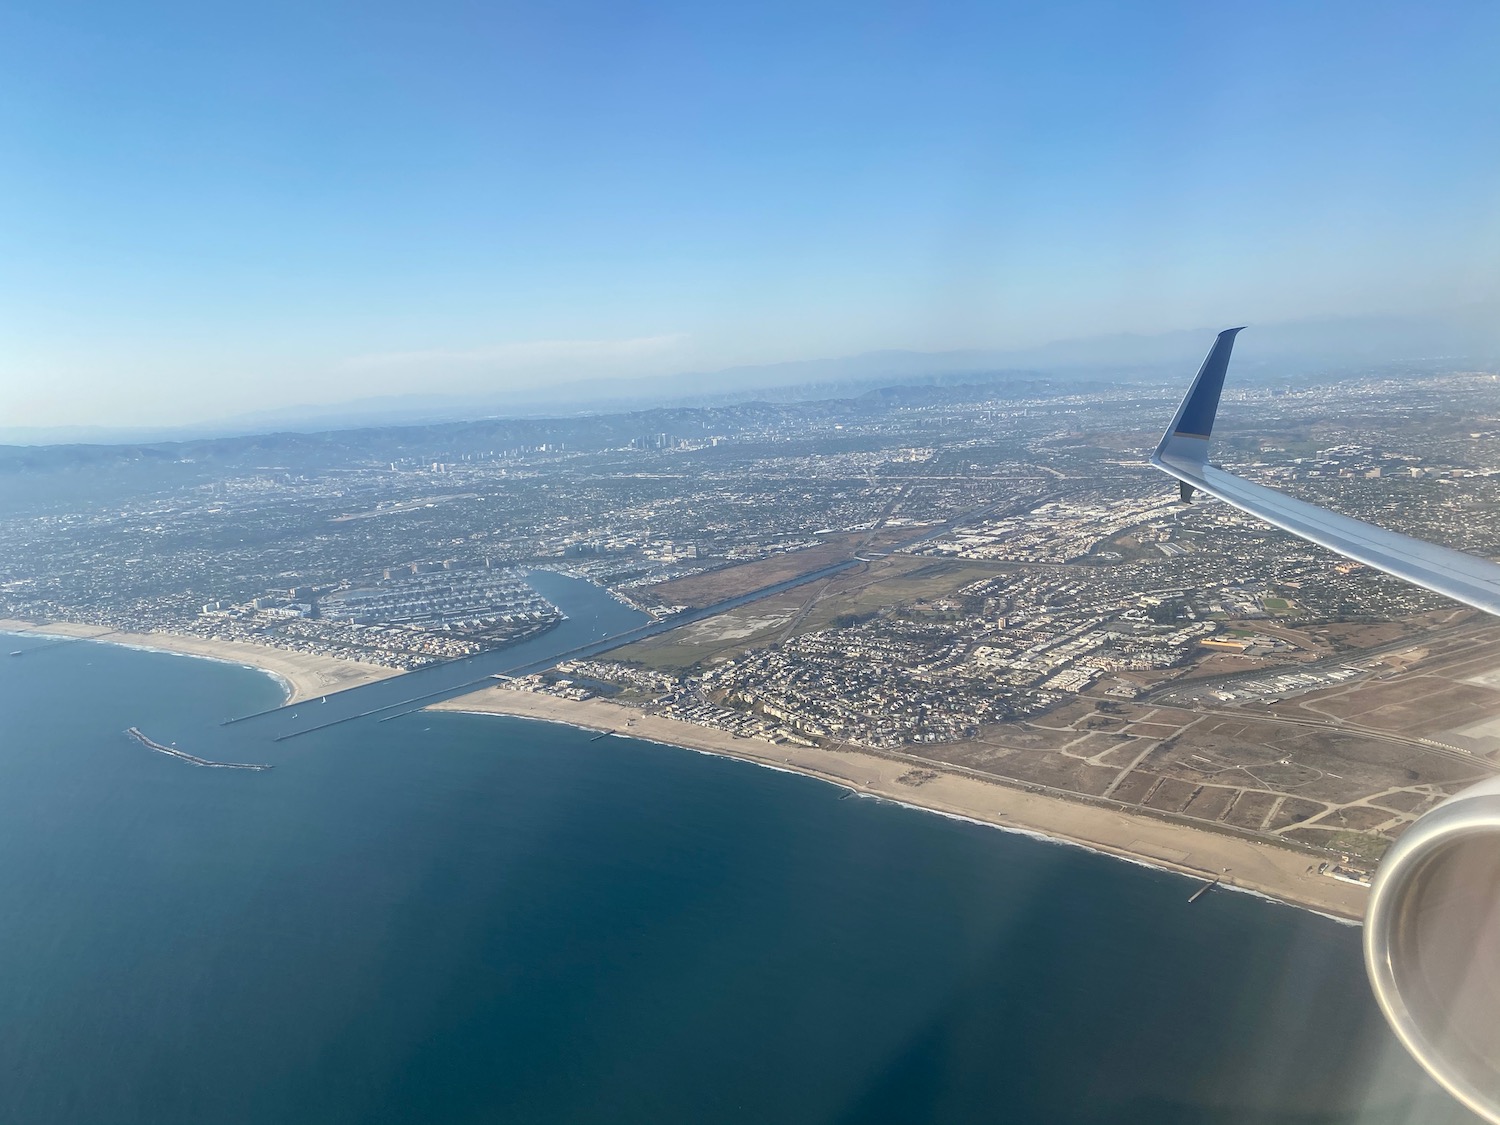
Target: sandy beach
{"points": [[1263, 868], [304, 675]]}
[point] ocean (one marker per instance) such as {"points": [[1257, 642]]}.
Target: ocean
{"points": [[460, 918]]}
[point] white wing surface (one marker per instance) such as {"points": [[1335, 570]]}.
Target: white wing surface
{"points": [[1183, 453]]}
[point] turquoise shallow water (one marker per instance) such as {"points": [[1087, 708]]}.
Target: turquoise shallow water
{"points": [[452, 918]]}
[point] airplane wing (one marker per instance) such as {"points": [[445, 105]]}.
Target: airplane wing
{"points": [[1183, 453]]}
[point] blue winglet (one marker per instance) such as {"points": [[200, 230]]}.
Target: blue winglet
{"points": [[1196, 418], [1183, 454], [1187, 436]]}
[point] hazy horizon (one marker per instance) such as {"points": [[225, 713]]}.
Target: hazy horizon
{"points": [[210, 218], [1295, 349]]}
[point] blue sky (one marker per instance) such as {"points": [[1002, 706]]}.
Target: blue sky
{"points": [[206, 209]]}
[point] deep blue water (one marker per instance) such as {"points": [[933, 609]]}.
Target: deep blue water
{"points": [[452, 918]]}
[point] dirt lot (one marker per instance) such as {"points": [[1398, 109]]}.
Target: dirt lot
{"points": [[1288, 768], [1345, 635], [1249, 810], [1409, 704], [1321, 764], [1402, 802], [1044, 767], [718, 638], [1171, 795], [699, 590], [1025, 736], [1211, 802], [898, 580], [1232, 767], [1226, 664], [1134, 788], [1360, 819], [1294, 809]]}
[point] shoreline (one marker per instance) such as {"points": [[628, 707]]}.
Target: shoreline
{"points": [[1264, 869], [301, 675], [1276, 873]]}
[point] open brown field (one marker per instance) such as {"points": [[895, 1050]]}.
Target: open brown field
{"points": [[1251, 810], [1235, 769], [1134, 789], [1447, 690], [1227, 664], [698, 590], [896, 580], [1170, 795], [1051, 768], [717, 638], [1342, 768], [1410, 704], [1345, 635], [1402, 802], [1210, 802], [1153, 730]]}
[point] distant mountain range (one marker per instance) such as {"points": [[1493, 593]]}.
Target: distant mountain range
{"points": [[1329, 345]]}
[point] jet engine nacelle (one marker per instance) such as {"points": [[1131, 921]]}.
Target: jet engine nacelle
{"points": [[1432, 944]]}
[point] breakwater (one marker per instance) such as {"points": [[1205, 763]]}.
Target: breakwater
{"points": [[136, 734]]}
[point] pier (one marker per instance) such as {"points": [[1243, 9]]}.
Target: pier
{"points": [[135, 733], [1203, 890]]}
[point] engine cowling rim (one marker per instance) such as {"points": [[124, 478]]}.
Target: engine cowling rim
{"points": [[1468, 816]]}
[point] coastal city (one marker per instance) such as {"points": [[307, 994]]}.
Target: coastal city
{"points": [[750, 564], [984, 577]]}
